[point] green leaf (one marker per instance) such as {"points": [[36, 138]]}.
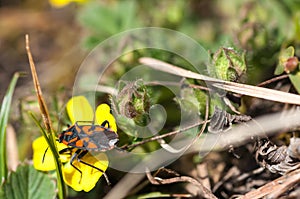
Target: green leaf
{"points": [[4, 115], [295, 79], [28, 183], [284, 55], [98, 18], [127, 14]]}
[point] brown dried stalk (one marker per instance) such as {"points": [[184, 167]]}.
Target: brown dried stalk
{"points": [[39, 94]]}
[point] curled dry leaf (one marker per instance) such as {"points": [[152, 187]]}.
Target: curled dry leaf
{"points": [[281, 159]]}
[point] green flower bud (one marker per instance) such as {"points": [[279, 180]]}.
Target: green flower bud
{"points": [[228, 65], [133, 102]]}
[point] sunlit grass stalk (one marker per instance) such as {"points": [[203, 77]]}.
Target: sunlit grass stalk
{"points": [[4, 115], [49, 133]]}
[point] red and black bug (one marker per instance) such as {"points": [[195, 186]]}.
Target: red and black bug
{"points": [[87, 138]]}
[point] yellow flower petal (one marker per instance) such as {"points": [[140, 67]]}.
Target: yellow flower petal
{"points": [[62, 3], [79, 109], [102, 114], [89, 177], [39, 147]]}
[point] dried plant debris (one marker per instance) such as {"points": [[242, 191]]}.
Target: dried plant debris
{"points": [[221, 120], [236, 181], [203, 192], [281, 159]]}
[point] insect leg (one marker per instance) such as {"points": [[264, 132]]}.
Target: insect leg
{"points": [[60, 152], [44, 154], [104, 123], [66, 150], [83, 153], [75, 155]]}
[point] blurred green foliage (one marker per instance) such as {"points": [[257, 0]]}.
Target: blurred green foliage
{"points": [[244, 38], [104, 21], [27, 182], [259, 27]]}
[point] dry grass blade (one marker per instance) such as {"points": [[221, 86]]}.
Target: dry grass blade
{"points": [[275, 188], [243, 89], [41, 101]]}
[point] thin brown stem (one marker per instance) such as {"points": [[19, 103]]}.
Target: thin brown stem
{"points": [[163, 136], [274, 79], [158, 181], [199, 87]]}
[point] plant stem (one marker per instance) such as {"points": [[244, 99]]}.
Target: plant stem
{"points": [[49, 136]]}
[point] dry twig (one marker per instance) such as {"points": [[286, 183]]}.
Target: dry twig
{"points": [[275, 188], [274, 79], [164, 135], [158, 181]]}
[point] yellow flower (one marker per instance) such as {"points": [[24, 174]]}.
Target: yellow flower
{"points": [[89, 177], [43, 158], [62, 3], [78, 109]]}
